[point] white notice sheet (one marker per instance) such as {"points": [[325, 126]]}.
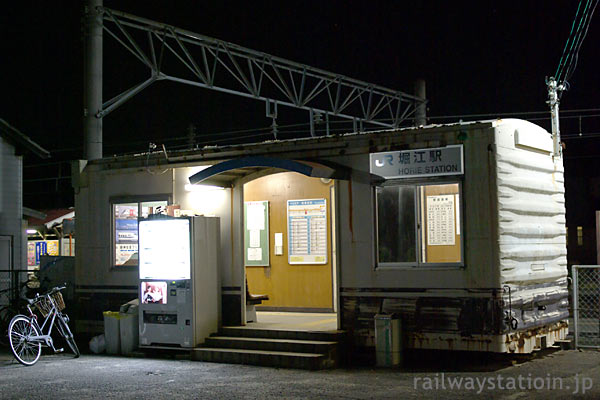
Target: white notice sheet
{"points": [[255, 218], [254, 238], [440, 220], [254, 254]]}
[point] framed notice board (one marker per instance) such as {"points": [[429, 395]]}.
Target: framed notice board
{"points": [[256, 233], [307, 231]]}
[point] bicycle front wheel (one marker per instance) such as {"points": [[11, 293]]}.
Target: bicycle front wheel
{"points": [[25, 349], [64, 330]]}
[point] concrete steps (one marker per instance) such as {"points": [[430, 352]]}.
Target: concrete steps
{"points": [[272, 348], [268, 344]]}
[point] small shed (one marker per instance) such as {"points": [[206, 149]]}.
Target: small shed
{"points": [[13, 236]]}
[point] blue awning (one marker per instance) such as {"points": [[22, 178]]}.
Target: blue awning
{"points": [[224, 173]]}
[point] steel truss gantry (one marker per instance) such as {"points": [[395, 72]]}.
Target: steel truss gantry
{"points": [[214, 64]]}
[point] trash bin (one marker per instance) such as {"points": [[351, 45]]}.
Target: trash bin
{"points": [[129, 326], [112, 334], [387, 340]]}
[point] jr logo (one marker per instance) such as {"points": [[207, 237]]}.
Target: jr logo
{"points": [[380, 163]]}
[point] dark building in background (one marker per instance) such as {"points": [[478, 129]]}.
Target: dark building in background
{"points": [[582, 196], [13, 238]]}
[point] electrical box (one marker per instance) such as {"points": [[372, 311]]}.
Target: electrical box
{"points": [[388, 343]]}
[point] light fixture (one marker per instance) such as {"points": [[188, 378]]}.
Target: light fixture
{"points": [[201, 188], [31, 231]]}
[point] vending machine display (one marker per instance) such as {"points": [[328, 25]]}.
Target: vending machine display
{"points": [[179, 282], [154, 292]]}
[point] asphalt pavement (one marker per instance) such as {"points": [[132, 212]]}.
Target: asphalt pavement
{"points": [[435, 375]]}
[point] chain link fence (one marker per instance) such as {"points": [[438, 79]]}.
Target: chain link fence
{"points": [[10, 282], [586, 305]]}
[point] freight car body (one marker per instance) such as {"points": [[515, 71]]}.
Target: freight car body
{"points": [[505, 290]]}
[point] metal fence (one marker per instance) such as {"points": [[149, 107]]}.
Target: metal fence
{"points": [[10, 282], [586, 305]]}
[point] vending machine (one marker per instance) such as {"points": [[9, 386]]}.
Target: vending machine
{"points": [[179, 280]]}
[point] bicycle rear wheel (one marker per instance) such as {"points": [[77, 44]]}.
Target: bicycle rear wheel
{"points": [[6, 314], [63, 328], [27, 351]]}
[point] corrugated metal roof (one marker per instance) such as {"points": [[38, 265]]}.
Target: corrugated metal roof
{"points": [[31, 213], [52, 216], [270, 147], [22, 142]]}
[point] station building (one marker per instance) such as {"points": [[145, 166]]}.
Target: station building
{"points": [[458, 230]]}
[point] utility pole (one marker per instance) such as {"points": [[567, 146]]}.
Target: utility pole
{"points": [[273, 115], [553, 100], [191, 136], [92, 81], [420, 106]]}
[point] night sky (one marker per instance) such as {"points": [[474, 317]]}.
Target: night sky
{"points": [[479, 57]]}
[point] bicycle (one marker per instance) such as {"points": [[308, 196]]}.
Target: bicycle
{"points": [[27, 337]]}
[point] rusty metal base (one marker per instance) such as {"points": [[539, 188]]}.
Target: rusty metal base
{"points": [[518, 342]]}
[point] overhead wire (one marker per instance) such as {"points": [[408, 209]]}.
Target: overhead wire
{"points": [[574, 43], [581, 135], [569, 59], [572, 39], [215, 137], [573, 65], [567, 43]]}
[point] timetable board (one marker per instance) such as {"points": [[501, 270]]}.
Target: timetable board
{"points": [[307, 231]]}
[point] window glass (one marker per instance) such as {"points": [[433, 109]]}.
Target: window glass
{"points": [[125, 223], [152, 207], [126, 233], [396, 228], [418, 224]]}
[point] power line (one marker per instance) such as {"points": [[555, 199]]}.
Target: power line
{"points": [[582, 135], [565, 69], [515, 114], [264, 131], [573, 38], [575, 59], [567, 43]]}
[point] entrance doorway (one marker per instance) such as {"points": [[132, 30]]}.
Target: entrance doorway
{"points": [[290, 251]]}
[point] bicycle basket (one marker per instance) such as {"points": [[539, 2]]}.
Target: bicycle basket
{"points": [[58, 299], [44, 304]]}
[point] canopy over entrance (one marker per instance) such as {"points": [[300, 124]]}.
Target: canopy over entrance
{"points": [[226, 172]]}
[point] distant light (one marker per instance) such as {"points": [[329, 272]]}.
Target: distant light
{"points": [[201, 188], [31, 231]]}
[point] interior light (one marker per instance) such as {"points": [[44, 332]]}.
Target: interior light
{"points": [[31, 231], [201, 188]]}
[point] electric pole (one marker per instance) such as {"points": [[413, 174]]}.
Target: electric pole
{"points": [[554, 90]]}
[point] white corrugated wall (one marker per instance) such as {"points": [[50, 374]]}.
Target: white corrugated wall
{"points": [[531, 224]]}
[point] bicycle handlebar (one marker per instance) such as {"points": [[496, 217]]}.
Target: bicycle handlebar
{"points": [[38, 296], [57, 289]]}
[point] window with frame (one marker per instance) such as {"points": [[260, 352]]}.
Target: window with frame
{"points": [[125, 228], [419, 224]]}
